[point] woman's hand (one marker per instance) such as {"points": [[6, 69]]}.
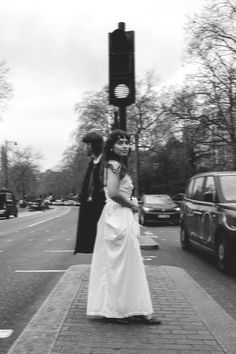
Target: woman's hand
{"points": [[134, 208]]}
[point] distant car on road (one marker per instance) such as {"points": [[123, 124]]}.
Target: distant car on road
{"points": [[158, 208], [8, 204], [58, 202], [37, 205], [208, 216]]}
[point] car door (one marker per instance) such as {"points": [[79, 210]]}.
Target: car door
{"points": [[196, 209], [208, 213]]}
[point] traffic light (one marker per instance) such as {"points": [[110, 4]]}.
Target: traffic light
{"points": [[121, 68]]}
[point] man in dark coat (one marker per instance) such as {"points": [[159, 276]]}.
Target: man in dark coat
{"points": [[92, 198]]}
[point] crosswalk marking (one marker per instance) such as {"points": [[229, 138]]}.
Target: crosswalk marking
{"points": [[55, 251], [41, 271], [5, 333]]}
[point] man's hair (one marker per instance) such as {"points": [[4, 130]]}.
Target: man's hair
{"points": [[96, 140]]}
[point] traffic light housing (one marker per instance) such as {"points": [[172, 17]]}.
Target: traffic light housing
{"points": [[121, 68]]}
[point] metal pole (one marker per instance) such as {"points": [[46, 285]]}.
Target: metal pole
{"points": [[122, 114], [121, 25]]}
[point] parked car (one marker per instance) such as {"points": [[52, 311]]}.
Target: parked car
{"points": [[8, 203], [38, 204], [23, 203], [58, 202], [208, 216], [158, 208]]}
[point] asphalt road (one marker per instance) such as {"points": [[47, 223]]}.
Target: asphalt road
{"points": [[35, 250], [37, 247]]}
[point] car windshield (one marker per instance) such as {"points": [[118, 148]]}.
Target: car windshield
{"points": [[157, 199], [228, 187]]}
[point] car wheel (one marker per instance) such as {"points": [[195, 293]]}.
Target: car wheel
{"points": [[223, 255], [184, 239], [142, 219]]}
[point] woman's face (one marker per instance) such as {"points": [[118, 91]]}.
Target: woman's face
{"points": [[121, 147]]}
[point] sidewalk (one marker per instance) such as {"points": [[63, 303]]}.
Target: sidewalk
{"points": [[192, 322]]}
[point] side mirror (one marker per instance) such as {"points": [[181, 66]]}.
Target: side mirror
{"points": [[208, 197]]}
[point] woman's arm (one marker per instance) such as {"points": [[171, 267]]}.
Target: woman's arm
{"points": [[113, 184]]}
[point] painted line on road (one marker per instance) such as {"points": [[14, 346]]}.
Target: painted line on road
{"points": [[55, 251], [28, 213], [54, 217], [5, 333], [41, 271]]}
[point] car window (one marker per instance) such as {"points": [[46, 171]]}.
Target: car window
{"points": [[210, 187], [197, 188], [9, 197], [228, 187], [157, 199], [188, 191]]}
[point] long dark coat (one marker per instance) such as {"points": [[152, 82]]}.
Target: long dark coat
{"points": [[90, 211]]}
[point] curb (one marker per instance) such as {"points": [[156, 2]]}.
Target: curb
{"points": [[148, 243]]}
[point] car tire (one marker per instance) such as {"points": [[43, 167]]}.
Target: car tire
{"points": [[223, 254], [184, 239], [142, 220]]}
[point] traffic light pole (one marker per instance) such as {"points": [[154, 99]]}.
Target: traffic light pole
{"points": [[121, 71], [122, 116]]}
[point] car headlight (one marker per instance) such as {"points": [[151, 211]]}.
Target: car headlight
{"points": [[177, 209], [146, 209]]}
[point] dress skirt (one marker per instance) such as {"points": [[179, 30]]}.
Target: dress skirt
{"points": [[118, 285]]}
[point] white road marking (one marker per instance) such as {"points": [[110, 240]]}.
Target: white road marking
{"points": [[5, 333], [9, 240], [147, 259], [147, 232], [24, 214], [53, 217], [41, 271], [55, 251], [1, 251]]}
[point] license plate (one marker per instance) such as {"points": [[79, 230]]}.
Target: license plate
{"points": [[163, 216]]}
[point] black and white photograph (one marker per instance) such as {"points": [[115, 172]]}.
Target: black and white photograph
{"points": [[117, 177]]}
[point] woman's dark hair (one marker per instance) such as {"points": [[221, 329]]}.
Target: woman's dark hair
{"points": [[108, 149]]}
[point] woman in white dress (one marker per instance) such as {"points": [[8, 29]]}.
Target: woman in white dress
{"points": [[118, 288]]}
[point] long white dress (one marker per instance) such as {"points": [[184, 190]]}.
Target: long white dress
{"points": [[118, 285]]}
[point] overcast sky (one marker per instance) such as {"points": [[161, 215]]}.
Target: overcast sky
{"points": [[58, 49]]}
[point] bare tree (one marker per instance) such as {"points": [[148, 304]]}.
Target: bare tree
{"points": [[5, 87], [212, 47]]}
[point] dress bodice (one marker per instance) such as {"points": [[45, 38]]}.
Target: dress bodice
{"points": [[126, 186]]}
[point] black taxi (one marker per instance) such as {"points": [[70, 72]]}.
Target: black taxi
{"points": [[8, 204], [208, 216]]}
